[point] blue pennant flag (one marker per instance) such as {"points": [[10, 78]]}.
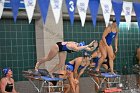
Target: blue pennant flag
{"points": [[15, 6], [44, 5], [117, 7], [71, 4], [137, 11], [93, 6]]}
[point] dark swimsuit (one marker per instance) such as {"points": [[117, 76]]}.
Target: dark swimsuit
{"points": [[63, 47], [96, 59], [9, 87]]}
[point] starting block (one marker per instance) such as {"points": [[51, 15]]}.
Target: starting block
{"points": [[108, 82], [46, 81]]}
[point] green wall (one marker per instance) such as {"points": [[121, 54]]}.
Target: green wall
{"points": [[17, 46], [128, 41]]}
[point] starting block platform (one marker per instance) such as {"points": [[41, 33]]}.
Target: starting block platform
{"points": [[46, 81], [107, 82]]}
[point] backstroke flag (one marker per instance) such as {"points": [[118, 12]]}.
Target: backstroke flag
{"points": [[106, 6], [137, 11], [56, 8], [82, 6], [44, 5], [1, 7], [71, 4], [127, 9], [30, 6], [15, 6], [93, 6], [117, 7]]}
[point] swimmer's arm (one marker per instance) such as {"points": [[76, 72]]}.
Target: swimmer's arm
{"points": [[3, 85], [78, 48], [90, 48], [94, 54], [81, 72], [116, 42], [76, 68], [106, 31]]}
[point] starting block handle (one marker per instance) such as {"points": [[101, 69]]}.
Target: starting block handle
{"points": [[34, 85], [95, 82]]}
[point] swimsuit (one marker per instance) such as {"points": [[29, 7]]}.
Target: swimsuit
{"points": [[9, 87], [63, 47], [109, 38], [73, 66]]}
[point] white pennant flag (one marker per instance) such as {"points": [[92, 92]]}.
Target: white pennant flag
{"points": [[106, 8], [56, 8], [127, 9], [82, 6], [1, 7], [30, 6]]}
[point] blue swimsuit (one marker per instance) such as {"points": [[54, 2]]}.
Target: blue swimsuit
{"points": [[109, 38], [69, 64], [96, 59]]}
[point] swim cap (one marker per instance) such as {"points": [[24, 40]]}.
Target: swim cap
{"points": [[81, 43], [5, 71], [70, 68]]}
